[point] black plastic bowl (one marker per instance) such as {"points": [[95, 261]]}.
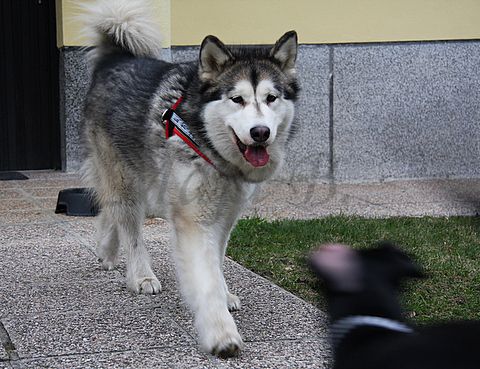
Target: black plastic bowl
{"points": [[77, 202]]}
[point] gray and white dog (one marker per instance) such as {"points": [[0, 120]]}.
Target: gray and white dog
{"points": [[238, 103]]}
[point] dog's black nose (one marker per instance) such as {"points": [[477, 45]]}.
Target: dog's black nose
{"points": [[260, 133]]}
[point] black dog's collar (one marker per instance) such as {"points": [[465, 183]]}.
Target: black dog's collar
{"points": [[340, 328]]}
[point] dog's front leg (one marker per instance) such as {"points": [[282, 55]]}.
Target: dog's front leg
{"points": [[197, 254]]}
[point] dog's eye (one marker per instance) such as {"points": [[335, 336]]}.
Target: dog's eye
{"points": [[271, 98], [237, 100]]}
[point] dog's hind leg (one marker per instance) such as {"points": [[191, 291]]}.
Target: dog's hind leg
{"points": [[140, 277], [107, 240], [197, 255]]}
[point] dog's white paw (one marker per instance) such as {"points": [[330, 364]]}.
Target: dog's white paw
{"points": [[228, 348], [233, 302], [219, 336], [224, 345], [146, 285]]}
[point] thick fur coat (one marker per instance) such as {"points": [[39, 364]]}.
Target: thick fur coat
{"points": [[239, 105]]}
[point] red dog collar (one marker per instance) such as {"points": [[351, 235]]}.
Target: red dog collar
{"points": [[174, 125]]}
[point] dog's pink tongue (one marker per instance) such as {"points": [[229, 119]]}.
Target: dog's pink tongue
{"points": [[256, 155]]}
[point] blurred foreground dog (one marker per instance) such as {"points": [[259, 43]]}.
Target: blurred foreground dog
{"points": [[367, 325], [187, 142]]}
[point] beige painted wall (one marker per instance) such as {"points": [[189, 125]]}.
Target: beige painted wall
{"points": [[325, 21], [186, 22]]}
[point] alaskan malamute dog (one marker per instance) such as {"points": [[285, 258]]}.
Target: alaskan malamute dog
{"points": [[237, 107]]}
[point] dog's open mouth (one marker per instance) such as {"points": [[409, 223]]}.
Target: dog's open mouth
{"points": [[256, 155]]}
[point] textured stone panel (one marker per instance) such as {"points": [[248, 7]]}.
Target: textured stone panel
{"points": [[406, 111], [74, 83], [184, 357], [81, 332]]}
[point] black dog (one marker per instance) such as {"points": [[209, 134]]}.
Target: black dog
{"points": [[368, 330]]}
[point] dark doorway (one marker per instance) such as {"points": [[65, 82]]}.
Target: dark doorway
{"points": [[29, 87]]}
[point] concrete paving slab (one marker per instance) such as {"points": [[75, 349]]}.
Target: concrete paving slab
{"points": [[168, 358], [10, 194], [427, 191], [5, 365], [9, 185], [87, 285], [26, 232], [307, 353], [107, 292], [25, 216], [46, 203], [7, 351], [426, 209], [17, 204], [82, 227], [280, 200], [261, 320], [64, 333], [155, 229], [3, 355], [42, 260], [268, 311], [62, 217], [50, 175], [61, 310], [59, 180], [43, 191], [162, 262]]}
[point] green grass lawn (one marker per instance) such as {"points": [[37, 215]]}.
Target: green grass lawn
{"points": [[447, 248]]}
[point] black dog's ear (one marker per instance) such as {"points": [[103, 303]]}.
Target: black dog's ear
{"points": [[285, 52], [214, 56], [339, 267], [400, 265]]}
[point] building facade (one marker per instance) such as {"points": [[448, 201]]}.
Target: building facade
{"points": [[389, 89]]}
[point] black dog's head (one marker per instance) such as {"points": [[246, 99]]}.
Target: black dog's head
{"points": [[363, 282]]}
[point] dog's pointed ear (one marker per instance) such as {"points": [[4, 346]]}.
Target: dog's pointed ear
{"points": [[214, 56], [400, 264], [285, 52]]}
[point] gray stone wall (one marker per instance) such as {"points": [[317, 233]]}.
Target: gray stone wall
{"points": [[366, 113], [406, 110], [74, 82]]}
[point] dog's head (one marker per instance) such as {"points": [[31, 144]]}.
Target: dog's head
{"points": [[363, 282], [249, 95]]}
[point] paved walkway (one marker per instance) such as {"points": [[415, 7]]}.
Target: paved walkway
{"points": [[440, 197], [58, 309]]}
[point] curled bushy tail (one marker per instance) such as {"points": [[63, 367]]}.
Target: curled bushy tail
{"points": [[121, 25]]}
